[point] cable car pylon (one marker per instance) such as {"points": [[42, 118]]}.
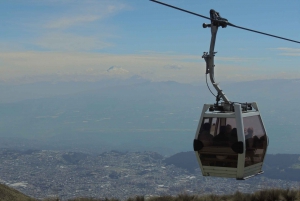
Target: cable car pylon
{"points": [[230, 140]]}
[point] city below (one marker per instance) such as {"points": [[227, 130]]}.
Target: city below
{"points": [[46, 174]]}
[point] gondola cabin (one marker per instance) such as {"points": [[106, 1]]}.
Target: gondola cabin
{"points": [[230, 140], [231, 144]]}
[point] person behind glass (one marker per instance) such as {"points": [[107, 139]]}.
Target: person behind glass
{"points": [[205, 137], [249, 138], [221, 139], [250, 144], [233, 136], [228, 130], [249, 133]]}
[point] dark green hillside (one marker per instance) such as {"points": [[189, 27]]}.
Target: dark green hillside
{"points": [[10, 194]]}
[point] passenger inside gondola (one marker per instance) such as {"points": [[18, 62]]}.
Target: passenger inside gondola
{"points": [[261, 142], [215, 136], [205, 137], [249, 133], [250, 151], [221, 139], [249, 138], [233, 136], [228, 130], [255, 140]]}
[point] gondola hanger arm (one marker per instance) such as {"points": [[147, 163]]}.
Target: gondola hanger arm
{"points": [[217, 21]]}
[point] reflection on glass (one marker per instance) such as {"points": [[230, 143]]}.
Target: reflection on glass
{"points": [[256, 140], [217, 136]]}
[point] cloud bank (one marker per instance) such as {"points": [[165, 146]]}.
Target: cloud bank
{"points": [[95, 66]]}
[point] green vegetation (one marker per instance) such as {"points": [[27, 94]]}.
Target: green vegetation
{"points": [[264, 195], [9, 194]]}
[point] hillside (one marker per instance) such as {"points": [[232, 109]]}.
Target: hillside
{"points": [[10, 194]]}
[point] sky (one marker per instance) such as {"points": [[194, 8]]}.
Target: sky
{"points": [[90, 40]]}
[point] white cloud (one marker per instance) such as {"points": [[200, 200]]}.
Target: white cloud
{"points": [[238, 59], [72, 25], [83, 12], [67, 22], [289, 51], [173, 66], [66, 66], [70, 42]]}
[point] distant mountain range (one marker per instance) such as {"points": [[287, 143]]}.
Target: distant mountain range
{"points": [[135, 114]]}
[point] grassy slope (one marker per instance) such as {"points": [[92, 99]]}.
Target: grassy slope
{"points": [[264, 195], [10, 194]]}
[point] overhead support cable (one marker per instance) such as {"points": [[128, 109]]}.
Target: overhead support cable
{"points": [[226, 23]]}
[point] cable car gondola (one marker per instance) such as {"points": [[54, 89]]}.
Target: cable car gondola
{"points": [[230, 140], [231, 143]]}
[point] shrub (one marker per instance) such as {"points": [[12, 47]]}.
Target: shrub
{"points": [[238, 196], [162, 198], [51, 199], [260, 196], [271, 194], [213, 197], [263, 195], [185, 197], [289, 195], [91, 199]]}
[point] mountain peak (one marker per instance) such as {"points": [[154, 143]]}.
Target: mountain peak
{"points": [[117, 70]]}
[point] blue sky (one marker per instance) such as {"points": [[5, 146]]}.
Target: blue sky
{"points": [[82, 39]]}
